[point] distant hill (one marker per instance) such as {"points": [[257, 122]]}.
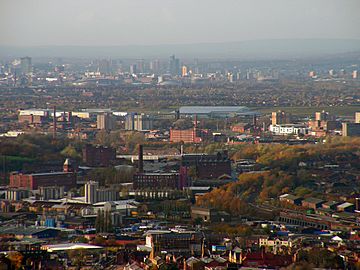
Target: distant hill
{"points": [[256, 49]]}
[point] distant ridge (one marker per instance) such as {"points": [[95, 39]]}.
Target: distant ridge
{"points": [[255, 49]]}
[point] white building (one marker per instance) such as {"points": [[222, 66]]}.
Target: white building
{"points": [[288, 129], [275, 244], [94, 194], [90, 192]]}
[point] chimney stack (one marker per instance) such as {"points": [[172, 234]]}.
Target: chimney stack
{"points": [[141, 159], [195, 122], [54, 123]]}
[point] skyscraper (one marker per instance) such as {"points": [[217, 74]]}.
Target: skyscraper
{"points": [[184, 71], [133, 69], [174, 66], [155, 66], [25, 65], [104, 67]]}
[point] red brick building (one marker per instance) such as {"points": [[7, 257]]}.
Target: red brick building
{"points": [[35, 180], [208, 166], [98, 156], [158, 181], [240, 127], [186, 136], [32, 119]]}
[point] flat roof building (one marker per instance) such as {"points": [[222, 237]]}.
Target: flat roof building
{"points": [[215, 111]]}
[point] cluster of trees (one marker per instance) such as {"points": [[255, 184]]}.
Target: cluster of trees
{"points": [[252, 187], [238, 230], [34, 150], [287, 157], [34, 146], [111, 175], [283, 174]]}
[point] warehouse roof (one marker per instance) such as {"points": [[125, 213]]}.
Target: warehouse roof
{"points": [[213, 109]]}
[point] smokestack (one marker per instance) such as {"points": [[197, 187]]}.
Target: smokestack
{"points": [[141, 159], [195, 121], [357, 204], [54, 123], [254, 120]]}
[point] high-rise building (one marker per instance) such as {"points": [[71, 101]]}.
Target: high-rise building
{"points": [[90, 192], [25, 65], [357, 117], [355, 74], [140, 66], [280, 117], [104, 66], [94, 194], [174, 66], [155, 66], [105, 121], [323, 116], [184, 71], [351, 129], [16, 194], [51, 192], [138, 122], [133, 69]]}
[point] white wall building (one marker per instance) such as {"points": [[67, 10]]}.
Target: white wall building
{"points": [[288, 129]]}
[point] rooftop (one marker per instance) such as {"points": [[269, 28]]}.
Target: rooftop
{"points": [[213, 109], [68, 246]]}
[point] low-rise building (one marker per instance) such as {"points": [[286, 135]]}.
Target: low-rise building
{"points": [[288, 129], [209, 214], [33, 181], [312, 203], [346, 207], [276, 244], [291, 199]]}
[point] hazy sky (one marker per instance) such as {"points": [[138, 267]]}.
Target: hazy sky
{"points": [[146, 22]]}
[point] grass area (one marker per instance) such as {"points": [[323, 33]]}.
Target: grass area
{"points": [[309, 111]]}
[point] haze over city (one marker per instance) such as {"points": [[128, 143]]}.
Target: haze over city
{"points": [[167, 23]]}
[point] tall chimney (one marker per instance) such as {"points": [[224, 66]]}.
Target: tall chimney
{"points": [[254, 120], [54, 123], [357, 204], [195, 121], [141, 159]]}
